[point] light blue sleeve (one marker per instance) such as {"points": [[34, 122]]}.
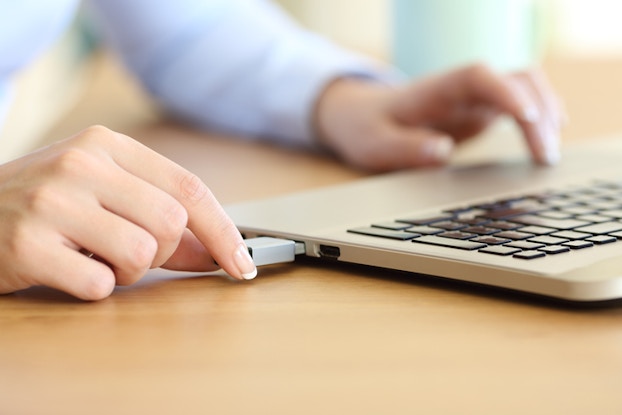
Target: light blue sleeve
{"points": [[236, 66], [28, 27]]}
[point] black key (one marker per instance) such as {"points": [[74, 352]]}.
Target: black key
{"points": [[426, 220], [491, 206], [559, 203], [593, 218], [506, 213], [449, 225], [602, 239], [537, 230], [554, 249], [474, 221], [571, 235], [460, 210], [578, 244], [480, 230], [529, 255], [514, 235], [396, 226], [555, 214], [548, 240], [601, 228], [518, 201], [384, 233], [457, 235], [549, 223], [525, 245], [425, 230], [502, 225], [449, 243], [499, 250], [491, 240], [579, 210]]}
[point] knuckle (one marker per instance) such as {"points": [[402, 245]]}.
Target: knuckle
{"points": [[95, 136], [97, 128], [477, 71], [97, 131], [192, 189], [142, 253], [72, 162], [138, 255], [42, 198], [175, 219]]}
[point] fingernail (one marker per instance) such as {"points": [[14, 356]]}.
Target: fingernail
{"points": [[439, 148], [244, 262], [530, 114]]}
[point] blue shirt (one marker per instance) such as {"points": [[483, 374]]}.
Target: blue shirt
{"points": [[236, 66]]}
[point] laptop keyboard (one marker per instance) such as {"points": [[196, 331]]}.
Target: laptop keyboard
{"points": [[526, 228]]}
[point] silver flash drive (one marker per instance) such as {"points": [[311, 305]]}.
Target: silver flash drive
{"points": [[266, 250]]}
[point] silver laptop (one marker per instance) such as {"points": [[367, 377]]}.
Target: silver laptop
{"points": [[555, 232]]}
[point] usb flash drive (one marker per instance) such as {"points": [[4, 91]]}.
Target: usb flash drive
{"points": [[266, 250]]}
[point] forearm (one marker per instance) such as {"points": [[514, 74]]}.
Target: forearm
{"points": [[236, 66]]}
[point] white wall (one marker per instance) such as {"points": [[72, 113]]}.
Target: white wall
{"points": [[359, 24], [588, 27], [576, 27], [44, 92]]}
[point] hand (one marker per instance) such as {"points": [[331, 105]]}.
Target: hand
{"points": [[379, 127], [101, 192]]}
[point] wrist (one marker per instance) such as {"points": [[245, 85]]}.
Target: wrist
{"points": [[341, 106]]}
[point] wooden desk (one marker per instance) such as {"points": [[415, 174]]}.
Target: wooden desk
{"points": [[300, 339]]}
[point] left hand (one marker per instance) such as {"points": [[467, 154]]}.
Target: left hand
{"points": [[378, 127]]}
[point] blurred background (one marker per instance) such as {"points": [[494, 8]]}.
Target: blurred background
{"points": [[410, 33], [574, 27]]}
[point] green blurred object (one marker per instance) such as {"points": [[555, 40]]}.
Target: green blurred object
{"points": [[436, 35]]}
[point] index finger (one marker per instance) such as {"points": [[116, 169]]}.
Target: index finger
{"points": [[206, 217], [519, 102]]}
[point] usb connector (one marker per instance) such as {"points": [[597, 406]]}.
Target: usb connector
{"points": [[266, 250]]}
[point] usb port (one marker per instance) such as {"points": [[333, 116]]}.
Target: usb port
{"points": [[330, 252]]}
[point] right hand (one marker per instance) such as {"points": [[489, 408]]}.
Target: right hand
{"points": [[381, 127], [104, 193]]}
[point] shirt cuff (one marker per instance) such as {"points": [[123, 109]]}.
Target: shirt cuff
{"points": [[290, 111]]}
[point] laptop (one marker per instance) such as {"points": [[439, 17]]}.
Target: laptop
{"points": [[502, 222]]}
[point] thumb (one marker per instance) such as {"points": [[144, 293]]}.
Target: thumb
{"points": [[190, 255]]}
